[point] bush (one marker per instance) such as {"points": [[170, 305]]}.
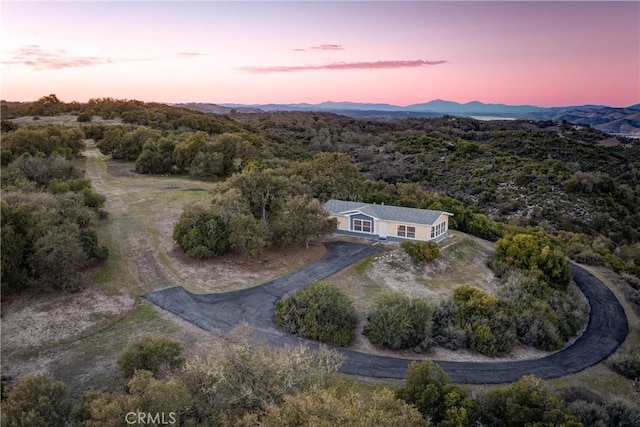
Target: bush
{"points": [[476, 320], [202, 233], [626, 364], [84, 117], [622, 413], [590, 414], [37, 402], [421, 252], [525, 402], [321, 312], [237, 375], [327, 408], [398, 322], [150, 354], [545, 318], [537, 252], [429, 389]]}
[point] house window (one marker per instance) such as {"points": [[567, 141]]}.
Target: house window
{"points": [[362, 225], [438, 229], [407, 231]]}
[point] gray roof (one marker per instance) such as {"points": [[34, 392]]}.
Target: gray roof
{"points": [[391, 213]]}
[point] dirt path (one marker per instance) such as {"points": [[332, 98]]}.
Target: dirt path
{"points": [[126, 228]]}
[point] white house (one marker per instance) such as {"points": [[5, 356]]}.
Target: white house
{"points": [[386, 222]]}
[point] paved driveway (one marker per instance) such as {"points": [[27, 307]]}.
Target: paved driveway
{"points": [[606, 330]]}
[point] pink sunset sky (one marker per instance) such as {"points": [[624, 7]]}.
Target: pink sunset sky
{"points": [[540, 53]]}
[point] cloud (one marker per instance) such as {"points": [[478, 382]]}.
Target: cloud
{"points": [[38, 58], [191, 54], [327, 47], [377, 65], [319, 48]]}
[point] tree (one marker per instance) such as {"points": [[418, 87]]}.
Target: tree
{"points": [[429, 389], [327, 408], [300, 220], [207, 165], [37, 402], [186, 150], [398, 322], [48, 105], [248, 234], [165, 401], [321, 312], [239, 376], [526, 402], [537, 252], [156, 157], [57, 258], [332, 176], [150, 354], [264, 191], [202, 232]]}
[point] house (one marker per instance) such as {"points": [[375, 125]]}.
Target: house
{"points": [[386, 222]]}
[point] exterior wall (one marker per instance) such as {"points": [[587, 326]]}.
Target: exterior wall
{"points": [[358, 234], [422, 231], [366, 218], [343, 222]]}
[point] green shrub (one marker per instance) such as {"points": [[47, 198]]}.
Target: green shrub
{"points": [[420, 252], [84, 117], [589, 413], [202, 233], [37, 402], [398, 322], [622, 413], [537, 252], [491, 327], [150, 354], [429, 389], [545, 318], [321, 312], [526, 402], [327, 407], [626, 364]]}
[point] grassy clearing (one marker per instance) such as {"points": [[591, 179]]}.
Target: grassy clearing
{"points": [[143, 258]]}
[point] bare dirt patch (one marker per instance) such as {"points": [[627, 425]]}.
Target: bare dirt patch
{"points": [[463, 261], [32, 321]]}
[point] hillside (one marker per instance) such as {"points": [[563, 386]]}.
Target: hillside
{"points": [[619, 121], [566, 178]]}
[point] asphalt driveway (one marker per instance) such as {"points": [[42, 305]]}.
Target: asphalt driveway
{"points": [[606, 330]]}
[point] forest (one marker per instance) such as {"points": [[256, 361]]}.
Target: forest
{"points": [[542, 190]]}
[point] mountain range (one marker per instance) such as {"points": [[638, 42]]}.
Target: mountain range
{"points": [[622, 121]]}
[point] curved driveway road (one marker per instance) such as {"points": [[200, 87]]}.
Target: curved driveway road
{"points": [[606, 330]]}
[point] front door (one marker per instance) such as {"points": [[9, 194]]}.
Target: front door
{"points": [[383, 230]]}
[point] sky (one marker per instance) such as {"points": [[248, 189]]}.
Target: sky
{"points": [[402, 53]]}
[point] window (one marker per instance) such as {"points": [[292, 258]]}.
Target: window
{"points": [[362, 225], [406, 231], [438, 229]]}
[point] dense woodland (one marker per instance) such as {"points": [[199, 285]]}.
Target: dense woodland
{"points": [[542, 190]]}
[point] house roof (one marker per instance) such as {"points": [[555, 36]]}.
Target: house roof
{"points": [[391, 213]]}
